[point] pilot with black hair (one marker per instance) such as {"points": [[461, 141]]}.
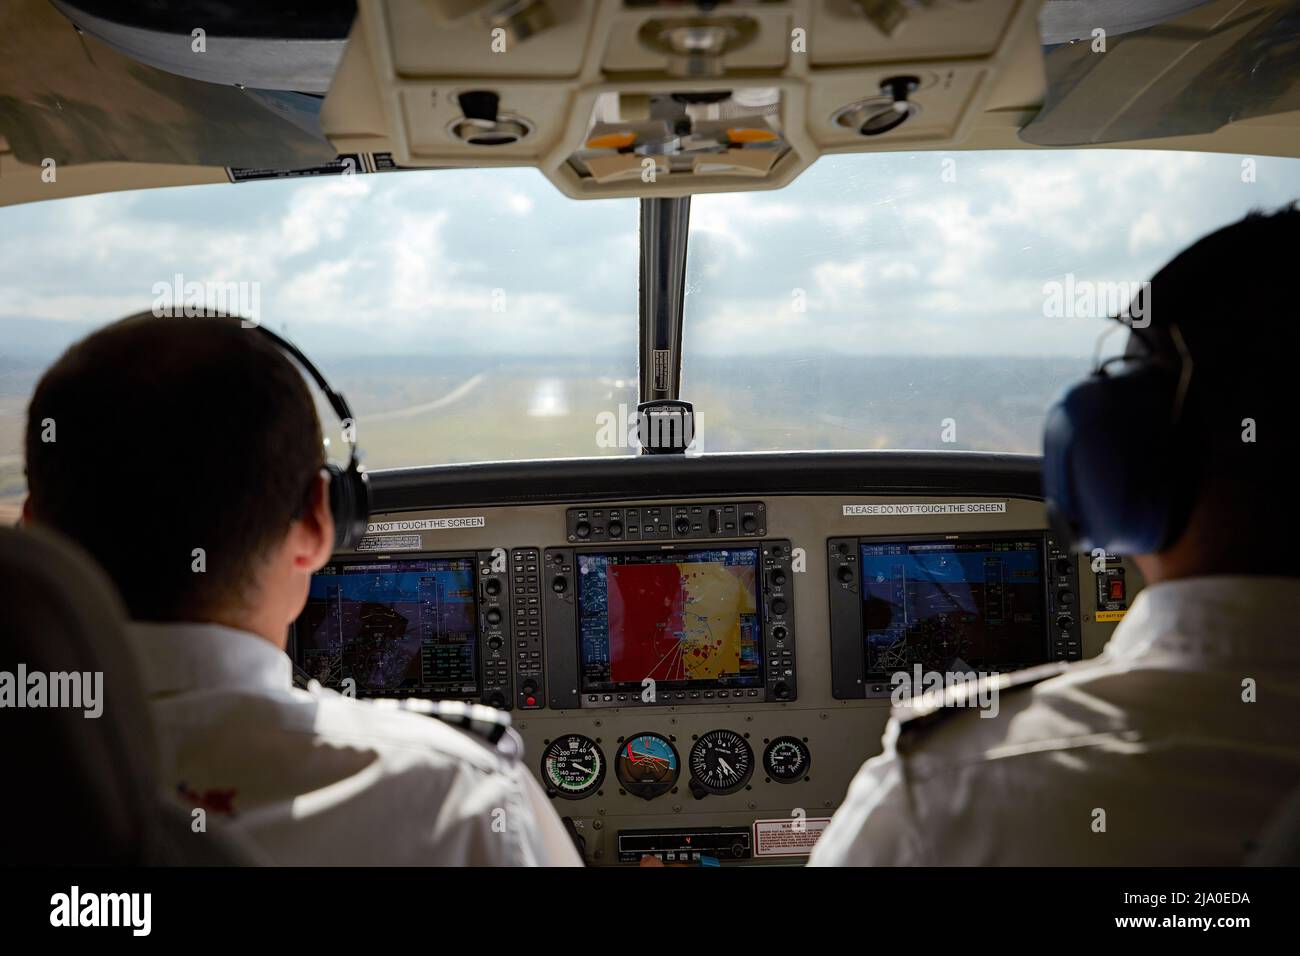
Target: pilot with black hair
{"points": [[1178, 743], [189, 463]]}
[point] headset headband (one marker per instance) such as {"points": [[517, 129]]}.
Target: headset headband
{"points": [[336, 400]]}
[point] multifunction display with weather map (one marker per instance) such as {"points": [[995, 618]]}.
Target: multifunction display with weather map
{"points": [[944, 604], [685, 619], [395, 627]]}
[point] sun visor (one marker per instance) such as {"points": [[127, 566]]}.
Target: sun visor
{"points": [[70, 98], [1187, 77]]}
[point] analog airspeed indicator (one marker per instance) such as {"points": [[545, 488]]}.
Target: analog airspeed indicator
{"points": [[572, 766], [721, 762]]}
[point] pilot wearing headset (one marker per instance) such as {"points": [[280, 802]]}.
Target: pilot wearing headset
{"points": [[186, 456], [1178, 742]]}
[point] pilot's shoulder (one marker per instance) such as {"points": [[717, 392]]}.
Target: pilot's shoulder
{"points": [[916, 721], [475, 733], [490, 726]]}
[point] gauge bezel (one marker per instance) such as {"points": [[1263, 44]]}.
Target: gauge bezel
{"points": [[735, 787], [587, 791]]}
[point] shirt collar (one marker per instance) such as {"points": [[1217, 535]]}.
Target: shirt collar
{"points": [[179, 657], [1226, 617]]}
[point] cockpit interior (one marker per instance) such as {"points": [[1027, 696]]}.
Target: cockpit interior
{"points": [[697, 356]]}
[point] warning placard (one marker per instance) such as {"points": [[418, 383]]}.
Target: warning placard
{"points": [[926, 508], [788, 836], [426, 524], [390, 542]]}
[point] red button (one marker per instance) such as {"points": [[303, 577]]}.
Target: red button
{"points": [[1117, 589], [530, 701]]}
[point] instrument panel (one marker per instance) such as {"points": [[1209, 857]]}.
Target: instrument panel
{"points": [[700, 680]]}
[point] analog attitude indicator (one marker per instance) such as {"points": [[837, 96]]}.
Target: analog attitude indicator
{"points": [[572, 766], [787, 759], [647, 765], [721, 762]]}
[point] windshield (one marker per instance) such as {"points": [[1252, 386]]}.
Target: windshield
{"points": [[890, 300], [934, 300]]}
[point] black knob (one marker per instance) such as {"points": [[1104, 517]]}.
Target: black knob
{"points": [[493, 616], [1064, 621], [1066, 597], [559, 584], [496, 700], [616, 529], [479, 104], [493, 586], [529, 688], [845, 574], [779, 633], [778, 605], [582, 529], [778, 577], [738, 850], [494, 642], [682, 525], [749, 522], [780, 691], [1062, 565]]}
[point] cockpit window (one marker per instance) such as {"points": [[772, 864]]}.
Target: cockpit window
{"points": [[467, 315], [889, 300], [934, 300]]}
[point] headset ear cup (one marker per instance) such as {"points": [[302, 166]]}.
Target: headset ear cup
{"points": [[349, 504], [1110, 467]]}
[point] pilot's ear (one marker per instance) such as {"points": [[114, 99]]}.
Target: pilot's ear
{"points": [[316, 527], [28, 516]]}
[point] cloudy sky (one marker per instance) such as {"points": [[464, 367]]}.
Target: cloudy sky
{"points": [[865, 254]]}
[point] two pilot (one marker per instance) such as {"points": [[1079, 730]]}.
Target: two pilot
{"points": [[1171, 747]]}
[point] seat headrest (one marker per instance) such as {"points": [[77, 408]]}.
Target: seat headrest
{"points": [[81, 786]]}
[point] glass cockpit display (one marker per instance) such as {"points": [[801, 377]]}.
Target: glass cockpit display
{"points": [[943, 604], [396, 628], [686, 620]]}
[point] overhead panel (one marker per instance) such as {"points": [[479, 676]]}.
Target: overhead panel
{"points": [[670, 99], [849, 32]]}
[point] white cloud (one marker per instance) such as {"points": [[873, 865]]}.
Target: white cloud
{"points": [[890, 257]]}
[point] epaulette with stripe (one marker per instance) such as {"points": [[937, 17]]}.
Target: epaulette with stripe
{"points": [[487, 723], [932, 708], [490, 725]]}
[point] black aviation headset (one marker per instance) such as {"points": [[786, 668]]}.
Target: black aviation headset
{"points": [[349, 484], [1119, 466]]}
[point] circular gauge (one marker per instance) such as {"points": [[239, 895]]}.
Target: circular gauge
{"points": [[572, 766], [787, 759], [721, 761], [647, 765]]}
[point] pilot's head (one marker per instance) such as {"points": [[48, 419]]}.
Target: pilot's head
{"points": [[1183, 454], [185, 455]]}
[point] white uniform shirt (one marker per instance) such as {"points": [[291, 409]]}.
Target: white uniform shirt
{"points": [[1153, 732], [311, 777]]}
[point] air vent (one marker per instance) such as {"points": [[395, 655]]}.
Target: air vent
{"points": [[880, 114], [483, 124], [696, 45]]}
